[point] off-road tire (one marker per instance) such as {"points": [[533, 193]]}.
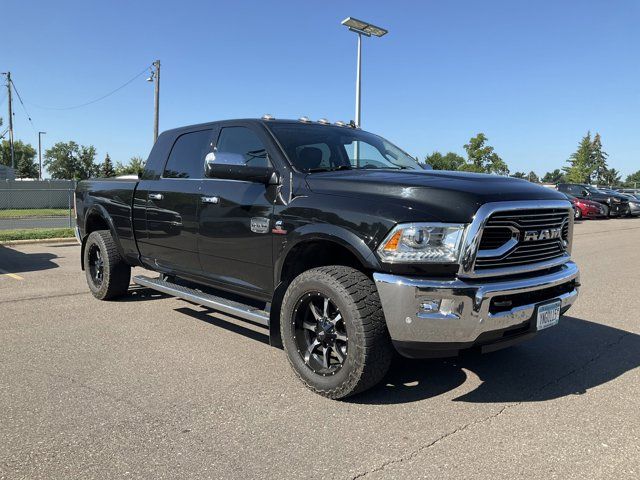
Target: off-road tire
{"points": [[116, 274], [369, 346]]}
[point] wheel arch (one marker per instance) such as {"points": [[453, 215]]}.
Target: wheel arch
{"points": [[316, 246], [97, 218]]}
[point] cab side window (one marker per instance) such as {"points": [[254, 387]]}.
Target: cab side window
{"points": [[242, 141], [186, 159]]}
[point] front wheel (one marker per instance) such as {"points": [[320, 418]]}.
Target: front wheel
{"points": [[334, 331], [578, 214], [107, 274]]}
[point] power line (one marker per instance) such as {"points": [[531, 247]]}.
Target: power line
{"points": [[23, 106], [146, 69]]}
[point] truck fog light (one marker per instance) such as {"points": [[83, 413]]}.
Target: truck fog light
{"points": [[429, 306], [449, 306]]}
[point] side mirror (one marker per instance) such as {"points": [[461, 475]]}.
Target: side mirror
{"points": [[232, 166], [585, 193]]}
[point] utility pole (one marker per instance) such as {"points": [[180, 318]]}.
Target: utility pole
{"points": [[13, 158], [157, 100], [40, 151]]}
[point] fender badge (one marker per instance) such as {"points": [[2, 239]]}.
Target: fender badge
{"points": [[259, 225], [278, 228]]}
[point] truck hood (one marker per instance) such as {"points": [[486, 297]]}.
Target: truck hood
{"points": [[447, 196]]}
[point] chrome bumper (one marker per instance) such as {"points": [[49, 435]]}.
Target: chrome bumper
{"points": [[464, 312]]}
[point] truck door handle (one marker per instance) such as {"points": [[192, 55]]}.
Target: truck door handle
{"points": [[156, 196], [212, 200]]}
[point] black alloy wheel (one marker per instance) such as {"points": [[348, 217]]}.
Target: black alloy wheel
{"points": [[320, 334], [334, 331], [107, 273], [96, 265]]}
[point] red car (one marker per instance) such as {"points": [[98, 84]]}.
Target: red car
{"points": [[586, 208]]}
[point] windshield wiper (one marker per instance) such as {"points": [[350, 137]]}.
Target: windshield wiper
{"points": [[330, 169]]}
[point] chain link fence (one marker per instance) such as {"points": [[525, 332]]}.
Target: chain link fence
{"points": [[28, 205]]}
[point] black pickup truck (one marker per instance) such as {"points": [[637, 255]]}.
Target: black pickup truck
{"points": [[335, 240]]}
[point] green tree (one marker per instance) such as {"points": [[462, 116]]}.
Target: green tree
{"points": [[134, 167], [554, 177], [581, 163], [450, 161], [106, 169], [610, 177], [25, 156], [532, 177], [482, 158], [599, 158], [633, 180], [68, 160], [519, 175]]}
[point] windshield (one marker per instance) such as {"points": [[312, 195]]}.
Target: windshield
{"points": [[318, 148], [592, 190]]}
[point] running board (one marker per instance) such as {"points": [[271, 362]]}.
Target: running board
{"points": [[192, 295]]}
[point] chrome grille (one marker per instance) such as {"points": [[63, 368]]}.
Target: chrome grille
{"points": [[502, 227]]}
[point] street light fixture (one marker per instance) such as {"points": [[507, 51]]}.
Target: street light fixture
{"points": [[367, 29]]}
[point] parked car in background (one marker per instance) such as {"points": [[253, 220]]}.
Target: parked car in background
{"points": [[617, 204], [632, 191], [586, 208], [634, 204]]}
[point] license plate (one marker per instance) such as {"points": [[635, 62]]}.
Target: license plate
{"points": [[549, 315]]}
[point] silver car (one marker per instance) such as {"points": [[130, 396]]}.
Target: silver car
{"points": [[634, 204]]}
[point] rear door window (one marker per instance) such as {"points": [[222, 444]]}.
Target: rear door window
{"points": [[186, 159]]}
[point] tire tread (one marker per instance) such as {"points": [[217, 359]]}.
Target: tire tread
{"points": [[376, 343]]}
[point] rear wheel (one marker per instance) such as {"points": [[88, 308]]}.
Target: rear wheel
{"points": [[107, 274], [578, 214], [334, 331]]}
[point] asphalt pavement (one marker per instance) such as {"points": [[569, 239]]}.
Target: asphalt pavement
{"points": [[154, 387]]}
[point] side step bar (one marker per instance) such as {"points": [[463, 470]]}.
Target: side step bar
{"points": [[200, 298]]}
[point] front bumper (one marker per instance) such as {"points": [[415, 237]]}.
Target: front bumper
{"points": [[619, 209], [634, 208], [472, 312]]}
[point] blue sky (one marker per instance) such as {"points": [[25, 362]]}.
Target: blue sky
{"points": [[533, 76]]}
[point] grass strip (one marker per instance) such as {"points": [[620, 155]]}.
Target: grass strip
{"points": [[35, 234], [34, 212]]}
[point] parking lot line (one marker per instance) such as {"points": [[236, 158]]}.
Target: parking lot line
{"points": [[11, 275]]}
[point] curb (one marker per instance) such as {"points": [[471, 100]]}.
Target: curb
{"points": [[9, 243]]}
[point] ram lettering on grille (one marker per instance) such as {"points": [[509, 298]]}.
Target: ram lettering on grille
{"points": [[525, 237]]}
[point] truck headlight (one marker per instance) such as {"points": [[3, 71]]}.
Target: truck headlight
{"points": [[422, 243]]}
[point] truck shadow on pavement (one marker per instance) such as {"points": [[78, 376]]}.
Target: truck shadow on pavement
{"points": [[15, 261], [565, 360]]}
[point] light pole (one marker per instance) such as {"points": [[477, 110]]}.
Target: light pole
{"points": [[155, 77], [367, 29], [40, 151]]}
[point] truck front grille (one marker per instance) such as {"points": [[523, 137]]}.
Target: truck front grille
{"points": [[536, 236]]}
